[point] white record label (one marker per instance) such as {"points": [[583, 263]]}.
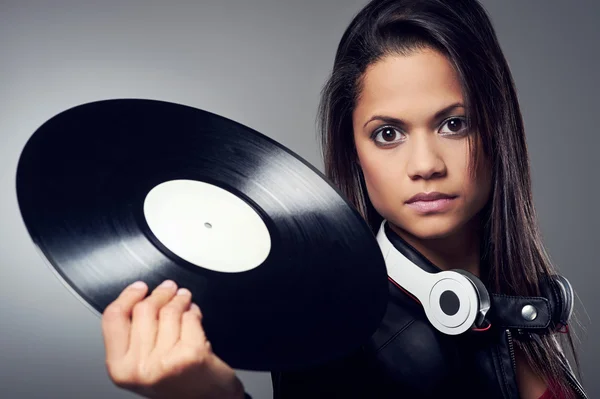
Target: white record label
{"points": [[207, 226]]}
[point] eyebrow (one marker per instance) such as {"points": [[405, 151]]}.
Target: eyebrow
{"points": [[388, 119]]}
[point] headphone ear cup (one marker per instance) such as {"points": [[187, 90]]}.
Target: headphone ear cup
{"points": [[559, 292], [482, 295], [566, 299]]}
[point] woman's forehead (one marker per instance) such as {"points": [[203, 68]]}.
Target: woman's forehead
{"points": [[418, 86]]}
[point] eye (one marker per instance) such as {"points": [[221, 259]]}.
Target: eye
{"points": [[387, 135], [454, 126]]}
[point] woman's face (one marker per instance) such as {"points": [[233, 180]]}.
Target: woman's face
{"points": [[411, 138]]}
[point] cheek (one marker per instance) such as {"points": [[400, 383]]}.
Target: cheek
{"points": [[383, 174], [484, 187], [477, 188], [370, 164], [457, 157]]}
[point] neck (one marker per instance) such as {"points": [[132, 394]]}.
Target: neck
{"points": [[460, 250]]}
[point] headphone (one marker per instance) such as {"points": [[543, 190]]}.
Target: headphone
{"points": [[456, 301]]}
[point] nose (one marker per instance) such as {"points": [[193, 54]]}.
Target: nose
{"points": [[425, 160]]}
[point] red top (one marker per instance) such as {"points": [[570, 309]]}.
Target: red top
{"points": [[548, 395]]}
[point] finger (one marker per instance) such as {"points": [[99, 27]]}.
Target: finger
{"points": [[170, 319], [116, 320], [192, 332], [145, 319]]}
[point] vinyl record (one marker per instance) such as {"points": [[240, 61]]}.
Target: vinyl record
{"points": [[286, 272]]}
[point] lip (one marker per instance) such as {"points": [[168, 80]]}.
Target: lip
{"points": [[431, 202], [433, 196]]}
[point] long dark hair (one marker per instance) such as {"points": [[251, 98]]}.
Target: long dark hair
{"points": [[462, 31]]}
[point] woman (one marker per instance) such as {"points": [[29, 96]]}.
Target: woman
{"points": [[420, 100]]}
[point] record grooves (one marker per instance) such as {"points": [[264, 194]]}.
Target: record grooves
{"points": [[82, 180]]}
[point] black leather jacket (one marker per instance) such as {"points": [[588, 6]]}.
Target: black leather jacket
{"points": [[408, 358]]}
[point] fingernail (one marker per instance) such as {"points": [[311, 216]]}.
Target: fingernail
{"points": [[183, 291], [168, 284], [138, 285], [194, 307]]}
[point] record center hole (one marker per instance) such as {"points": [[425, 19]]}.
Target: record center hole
{"points": [[208, 225]]}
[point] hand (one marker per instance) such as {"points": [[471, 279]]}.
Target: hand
{"points": [[156, 346]]}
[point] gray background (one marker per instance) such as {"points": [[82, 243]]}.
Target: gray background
{"points": [[262, 63]]}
